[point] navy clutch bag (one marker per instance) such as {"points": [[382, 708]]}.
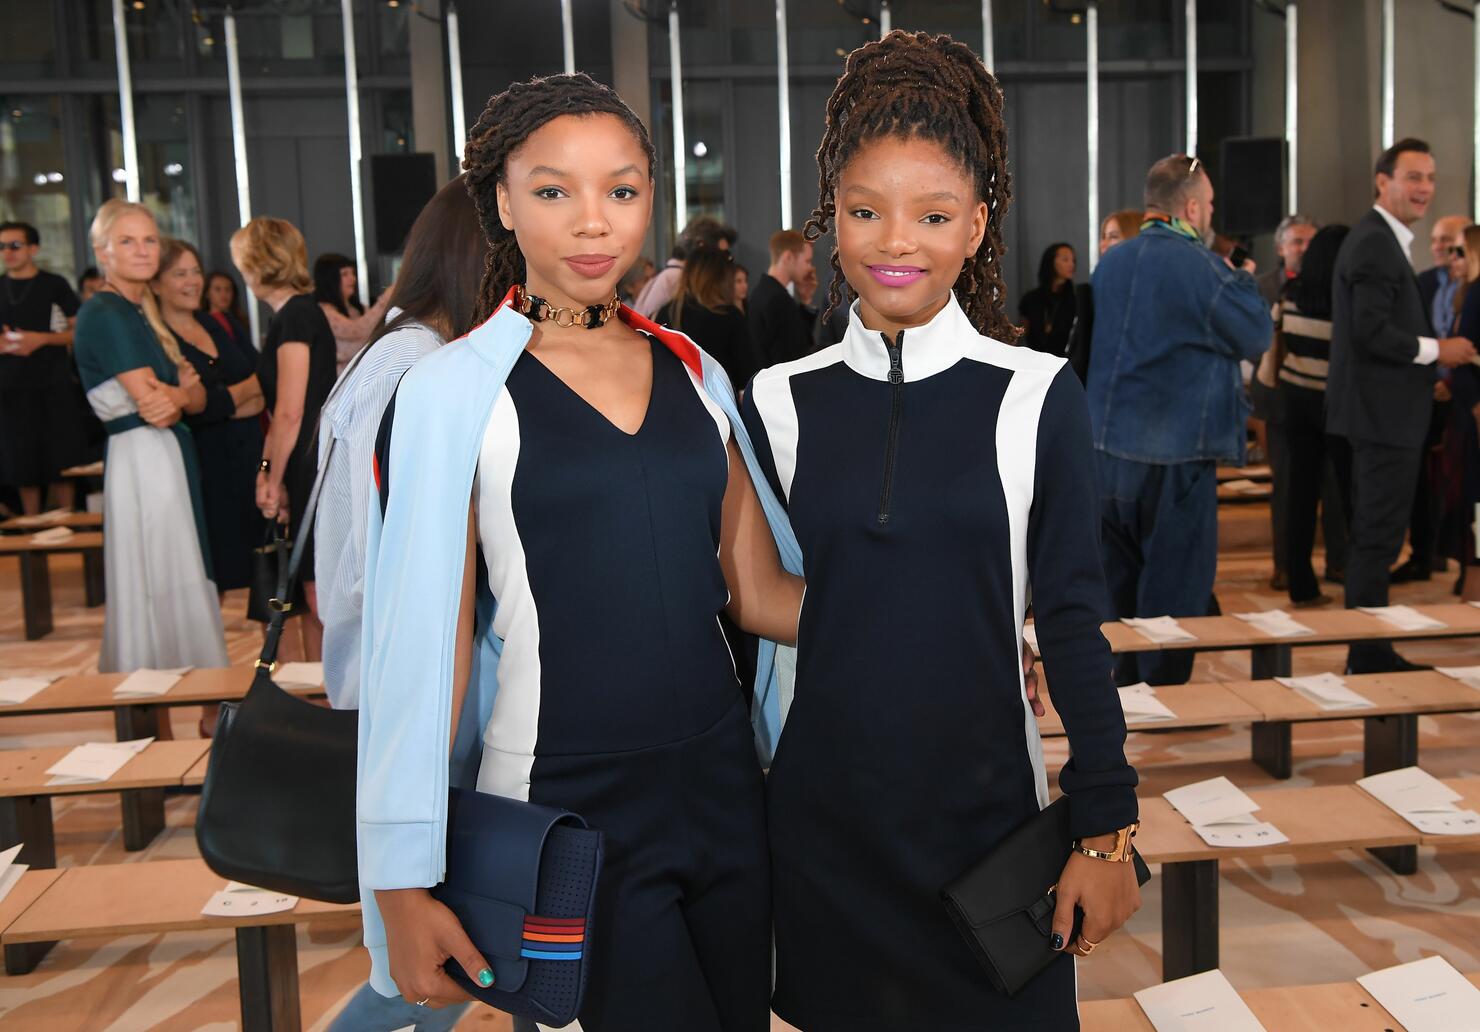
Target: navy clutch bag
{"points": [[521, 879]]}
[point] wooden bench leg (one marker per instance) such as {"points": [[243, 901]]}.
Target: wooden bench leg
{"points": [[1271, 746], [1266, 661], [28, 819], [1189, 918], [133, 722], [36, 595], [143, 817], [1389, 743], [267, 973], [94, 582]]}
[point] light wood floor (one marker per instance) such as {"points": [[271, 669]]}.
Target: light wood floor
{"points": [[1282, 923]]}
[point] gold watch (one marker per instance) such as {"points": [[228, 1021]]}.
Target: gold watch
{"points": [[1120, 854]]}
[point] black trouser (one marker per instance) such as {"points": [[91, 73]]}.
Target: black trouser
{"points": [[1383, 479], [1310, 482], [1427, 508]]}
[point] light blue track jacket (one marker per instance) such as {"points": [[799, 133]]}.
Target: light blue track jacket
{"points": [[413, 566]]}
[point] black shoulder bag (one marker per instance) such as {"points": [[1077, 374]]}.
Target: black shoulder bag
{"points": [[278, 811], [278, 806]]}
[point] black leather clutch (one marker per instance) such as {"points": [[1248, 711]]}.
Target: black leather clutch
{"points": [[1004, 905], [521, 879]]}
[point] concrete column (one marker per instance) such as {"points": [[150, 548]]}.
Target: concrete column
{"points": [[429, 90], [632, 79]]}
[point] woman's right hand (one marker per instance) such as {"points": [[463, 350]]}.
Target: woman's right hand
{"points": [[421, 936]]}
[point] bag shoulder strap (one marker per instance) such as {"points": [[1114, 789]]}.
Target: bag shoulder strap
{"points": [[281, 606]]}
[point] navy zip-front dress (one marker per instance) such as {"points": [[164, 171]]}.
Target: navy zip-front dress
{"points": [[929, 481], [617, 695]]}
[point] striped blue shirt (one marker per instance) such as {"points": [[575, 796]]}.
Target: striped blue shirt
{"points": [[352, 416]]}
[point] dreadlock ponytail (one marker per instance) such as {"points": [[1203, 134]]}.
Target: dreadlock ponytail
{"points": [[510, 118], [915, 85]]}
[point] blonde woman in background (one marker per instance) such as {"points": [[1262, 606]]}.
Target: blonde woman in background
{"points": [[1120, 226], [296, 371], [162, 608]]}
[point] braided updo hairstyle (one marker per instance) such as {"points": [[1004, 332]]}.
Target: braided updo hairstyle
{"points": [[915, 85], [510, 118]]}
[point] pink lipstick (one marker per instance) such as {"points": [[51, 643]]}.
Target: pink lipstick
{"points": [[592, 266], [896, 275]]}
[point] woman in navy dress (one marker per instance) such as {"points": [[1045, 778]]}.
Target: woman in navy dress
{"points": [[612, 520], [931, 472], [227, 432]]}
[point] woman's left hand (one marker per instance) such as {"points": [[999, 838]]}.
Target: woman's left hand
{"points": [[1104, 889]]}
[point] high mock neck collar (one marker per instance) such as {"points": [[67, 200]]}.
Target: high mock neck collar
{"points": [[929, 349]]}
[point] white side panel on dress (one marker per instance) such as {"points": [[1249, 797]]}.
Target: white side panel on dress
{"points": [[162, 611]]}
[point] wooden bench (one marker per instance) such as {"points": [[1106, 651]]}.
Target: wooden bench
{"points": [[1295, 1008], [1231, 496], [36, 575], [34, 524], [25, 796], [1256, 473], [92, 469], [1316, 820], [166, 896], [139, 718], [1390, 726]]}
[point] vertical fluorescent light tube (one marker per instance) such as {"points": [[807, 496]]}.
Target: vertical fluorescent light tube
{"points": [[783, 101], [1292, 107], [988, 45], [568, 34], [126, 104], [1387, 73], [352, 103], [454, 70], [1191, 97], [239, 151], [886, 19], [680, 163], [1092, 124], [1476, 209]]}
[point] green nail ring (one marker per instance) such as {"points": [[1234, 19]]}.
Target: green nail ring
{"points": [[485, 978]]}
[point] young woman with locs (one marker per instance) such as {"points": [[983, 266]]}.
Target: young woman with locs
{"points": [[931, 471], [564, 512]]}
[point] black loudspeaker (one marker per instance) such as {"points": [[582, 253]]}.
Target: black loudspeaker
{"points": [[1252, 195], [401, 185]]}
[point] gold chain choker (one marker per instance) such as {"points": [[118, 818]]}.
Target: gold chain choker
{"points": [[540, 310]]}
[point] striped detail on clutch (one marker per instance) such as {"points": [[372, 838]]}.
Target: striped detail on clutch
{"points": [[554, 938]]}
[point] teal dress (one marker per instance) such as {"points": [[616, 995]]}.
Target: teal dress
{"points": [[163, 609]]}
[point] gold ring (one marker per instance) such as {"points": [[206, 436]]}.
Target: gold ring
{"points": [[1086, 947]]}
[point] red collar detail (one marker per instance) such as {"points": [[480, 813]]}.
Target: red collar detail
{"points": [[686, 350]]}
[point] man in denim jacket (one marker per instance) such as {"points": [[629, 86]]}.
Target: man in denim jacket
{"points": [[1166, 398]]}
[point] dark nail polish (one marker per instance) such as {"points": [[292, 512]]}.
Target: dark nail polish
{"points": [[1058, 941]]}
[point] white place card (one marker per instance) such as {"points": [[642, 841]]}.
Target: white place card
{"points": [[1160, 629], [1445, 822], [1030, 635], [1240, 836], [1141, 705], [10, 871], [95, 762], [1410, 790], [53, 536], [1404, 618], [1276, 623], [1244, 487], [1199, 1003], [42, 519], [238, 900], [1327, 691], [1470, 675], [1214, 801], [16, 690], [145, 684], [1427, 995], [308, 675]]}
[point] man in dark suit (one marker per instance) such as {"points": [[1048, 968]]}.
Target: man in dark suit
{"points": [[1381, 388], [1438, 284]]}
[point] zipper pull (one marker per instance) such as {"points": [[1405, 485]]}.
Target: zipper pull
{"points": [[896, 357]]}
